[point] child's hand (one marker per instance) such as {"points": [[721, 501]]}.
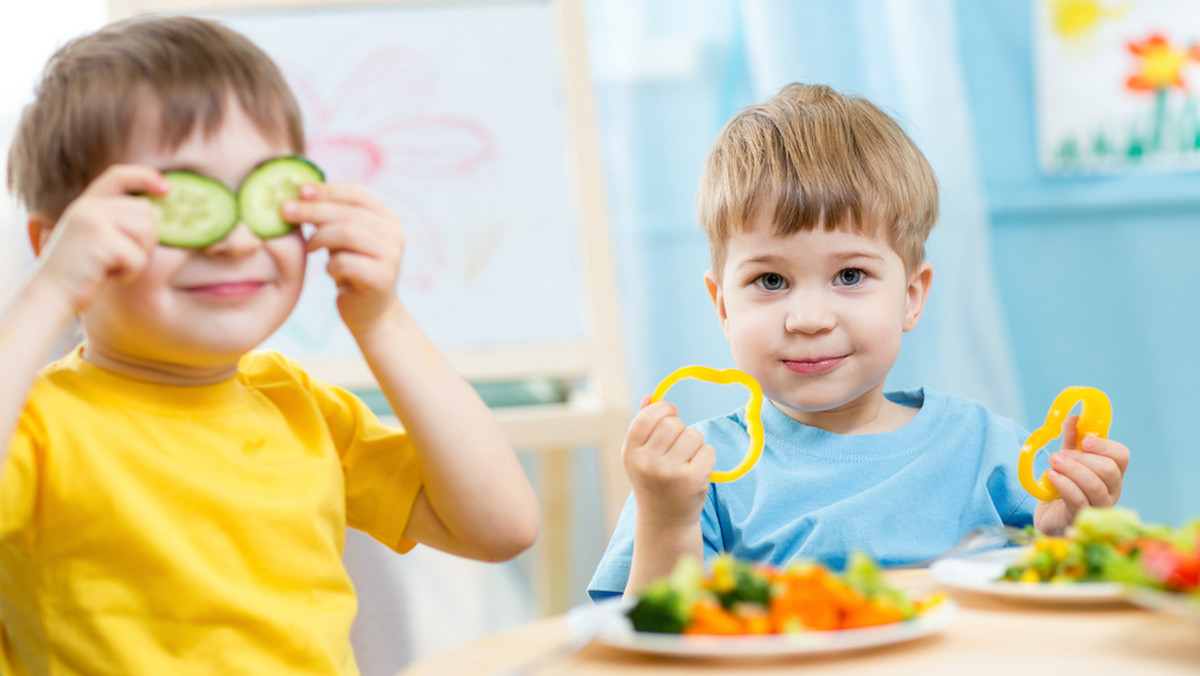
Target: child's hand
{"points": [[668, 466], [1085, 472], [365, 242], [107, 233]]}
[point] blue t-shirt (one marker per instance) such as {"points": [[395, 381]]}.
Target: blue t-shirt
{"points": [[901, 496]]}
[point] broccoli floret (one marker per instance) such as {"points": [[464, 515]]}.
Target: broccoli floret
{"points": [[1098, 558], [736, 581], [660, 609], [665, 605]]}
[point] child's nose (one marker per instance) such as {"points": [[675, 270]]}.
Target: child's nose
{"points": [[809, 313], [239, 242]]}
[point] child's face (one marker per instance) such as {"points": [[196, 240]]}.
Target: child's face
{"points": [[201, 307], [816, 317]]}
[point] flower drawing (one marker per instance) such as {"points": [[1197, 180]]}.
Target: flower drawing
{"points": [[1160, 64], [379, 127], [1159, 69]]}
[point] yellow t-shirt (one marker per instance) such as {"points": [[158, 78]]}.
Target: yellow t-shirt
{"points": [[151, 529]]}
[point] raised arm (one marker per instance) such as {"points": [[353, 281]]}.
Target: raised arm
{"points": [[668, 466], [104, 235], [476, 501]]}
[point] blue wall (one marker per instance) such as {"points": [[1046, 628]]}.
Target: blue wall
{"points": [[1098, 276]]}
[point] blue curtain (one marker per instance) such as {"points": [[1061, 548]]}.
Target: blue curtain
{"points": [[670, 73]]}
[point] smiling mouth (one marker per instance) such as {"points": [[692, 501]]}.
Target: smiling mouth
{"points": [[230, 290], [815, 366]]}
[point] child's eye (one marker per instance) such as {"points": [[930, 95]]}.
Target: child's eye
{"points": [[771, 281], [850, 276]]}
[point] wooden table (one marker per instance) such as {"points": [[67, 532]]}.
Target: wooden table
{"points": [[990, 636]]}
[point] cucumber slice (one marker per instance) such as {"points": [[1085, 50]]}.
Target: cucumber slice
{"points": [[196, 212], [268, 186]]}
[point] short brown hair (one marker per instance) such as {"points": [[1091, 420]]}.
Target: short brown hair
{"points": [[817, 158], [83, 111]]}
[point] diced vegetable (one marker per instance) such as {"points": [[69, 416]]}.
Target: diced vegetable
{"points": [[740, 597]]}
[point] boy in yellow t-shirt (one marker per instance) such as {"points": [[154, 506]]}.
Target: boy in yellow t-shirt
{"points": [[171, 501]]}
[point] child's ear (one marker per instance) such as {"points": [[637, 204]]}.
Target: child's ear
{"points": [[718, 299], [918, 292], [40, 225]]}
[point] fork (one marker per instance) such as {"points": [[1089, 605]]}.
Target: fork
{"points": [[978, 540]]}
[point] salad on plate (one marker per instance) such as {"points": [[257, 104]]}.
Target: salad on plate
{"points": [[742, 609], [740, 597], [1114, 545]]}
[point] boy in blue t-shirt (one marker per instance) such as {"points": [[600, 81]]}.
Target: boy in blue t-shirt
{"points": [[816, 207]]}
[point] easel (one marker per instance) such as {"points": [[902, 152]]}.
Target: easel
{"points": [[595, 414]]}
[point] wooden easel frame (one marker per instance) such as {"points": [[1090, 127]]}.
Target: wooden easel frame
{"points": [[596, 414]]}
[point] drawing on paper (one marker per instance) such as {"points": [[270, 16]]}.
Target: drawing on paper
{"points": [[379, 128], [454, 114], [1113, 85]]}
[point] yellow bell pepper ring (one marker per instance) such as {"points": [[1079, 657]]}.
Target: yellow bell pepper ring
{"points": [[754, 423], [1094, 419]]}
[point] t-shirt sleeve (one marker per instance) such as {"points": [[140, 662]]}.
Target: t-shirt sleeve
{"points": [[382, 471], [18, 477], [612, 573], [1003, 442]]}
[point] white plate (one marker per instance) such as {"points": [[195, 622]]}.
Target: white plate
{"points": [[981, 573], [619, 633], [1174, 603]]}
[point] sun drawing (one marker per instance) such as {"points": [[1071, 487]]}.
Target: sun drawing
{"points": [[1074, 20]]}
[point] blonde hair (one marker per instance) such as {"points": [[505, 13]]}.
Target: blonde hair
{"points": [[84, 108], [817, 158]]}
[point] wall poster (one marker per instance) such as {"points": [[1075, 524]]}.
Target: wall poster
{"points": [[1117, 85]]}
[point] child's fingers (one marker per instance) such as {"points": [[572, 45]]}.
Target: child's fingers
{"points": [[1103, 467], [1070, 434], [1118, 452], [1086, 486], [346, 193], [321, 212], [645, 421], [1069, 492], [344, 236], [705, 458], [96, 224], [685, 445], [127, 179], [132, 215], [645, 402], [359, 271], [127, 261], [665, 434]]}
